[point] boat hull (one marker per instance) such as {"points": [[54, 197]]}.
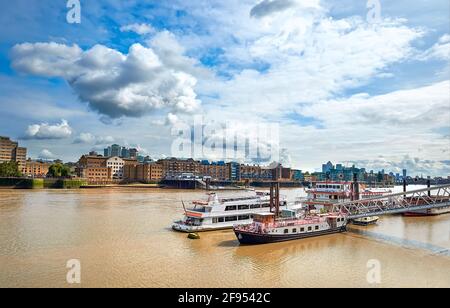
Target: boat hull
{"points": [[196, 229], [429, 212], [250, 238], [364, 223]]}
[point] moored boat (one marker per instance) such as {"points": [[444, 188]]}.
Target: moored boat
{"points": [[365, 221], [217, 213], [267, 228], [429, 212]]}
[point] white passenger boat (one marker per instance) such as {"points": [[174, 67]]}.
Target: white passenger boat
{"points": [[216, 213]]}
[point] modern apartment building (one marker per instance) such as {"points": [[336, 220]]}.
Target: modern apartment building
{"points": [[174, 167], [10, 151], [217, 171]]}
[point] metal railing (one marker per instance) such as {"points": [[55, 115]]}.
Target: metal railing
{"points": [[422, 199]]}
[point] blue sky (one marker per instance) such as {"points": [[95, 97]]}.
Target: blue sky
{"points": [[340, 88]]}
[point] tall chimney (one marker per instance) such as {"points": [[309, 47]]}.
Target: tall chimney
{"points": [[355, 187]]}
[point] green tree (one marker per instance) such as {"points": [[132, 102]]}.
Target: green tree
{"points": [[58, 171], [10, 169]]}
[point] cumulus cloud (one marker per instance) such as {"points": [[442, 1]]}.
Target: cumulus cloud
{"points": [[114, 84], [88, 138], [440, 50], [172, 119], [413, 165], [425, 107], [268, 7], [140, 29], [46, 155], [48, 131]]}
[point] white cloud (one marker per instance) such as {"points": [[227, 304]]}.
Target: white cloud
{"points": [[413, 165], [48, 131], [140, 29], [440, 50], [112, 83], [46, 155], [88, 138], [172, 119], [308, 57], [268, 7]]}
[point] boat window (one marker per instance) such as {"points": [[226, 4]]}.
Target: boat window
{"points": [[317, 227], [244, 217], [230, 208], [231, 218], [294, 230], [255, 206], [215, 220], [266, 205], [302, 229], [221, 219], [286, 231], [309, 228], [243, 207]]}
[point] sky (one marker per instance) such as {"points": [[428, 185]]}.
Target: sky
{"points": [[350, 81]]}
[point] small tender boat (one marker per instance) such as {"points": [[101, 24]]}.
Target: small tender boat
{"points": [[193, 236], [365, 221]]}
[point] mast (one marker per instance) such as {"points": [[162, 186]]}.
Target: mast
{"points": [[275, 197]]}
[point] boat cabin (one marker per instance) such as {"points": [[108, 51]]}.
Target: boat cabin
{"points": [[264, 218]]}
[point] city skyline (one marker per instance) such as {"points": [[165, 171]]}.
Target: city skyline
{"points": [[382, 102]]}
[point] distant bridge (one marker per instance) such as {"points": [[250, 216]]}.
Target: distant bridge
{"points": [[422, 199]]}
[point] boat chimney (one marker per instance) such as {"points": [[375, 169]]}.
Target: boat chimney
{"points": [[404, 187], [275, 197], [355, 187]]}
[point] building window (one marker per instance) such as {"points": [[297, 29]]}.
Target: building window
{"points": [[244, 217], [309, 228], [317, 228], [302, 229], [286, 231], [294, 230]]}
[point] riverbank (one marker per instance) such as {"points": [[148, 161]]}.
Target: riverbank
{"points": [[23, 183]]}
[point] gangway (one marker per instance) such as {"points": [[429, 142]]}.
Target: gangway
{"points": [[421, 199]]}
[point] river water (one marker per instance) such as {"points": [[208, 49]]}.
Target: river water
{"points": [[122, 238]]}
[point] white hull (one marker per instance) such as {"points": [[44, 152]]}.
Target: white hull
{"points": [[180, 227]]}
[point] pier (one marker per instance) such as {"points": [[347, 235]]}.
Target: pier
{"points": [[422, 199]]}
